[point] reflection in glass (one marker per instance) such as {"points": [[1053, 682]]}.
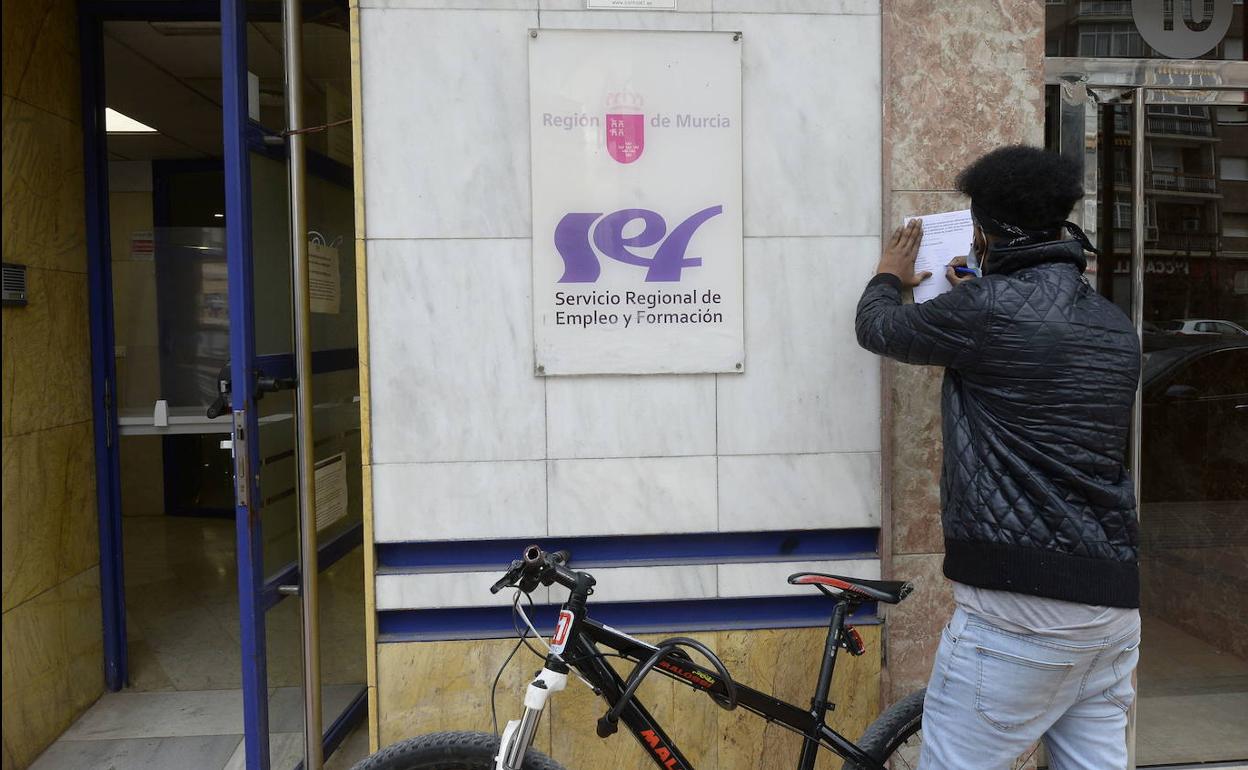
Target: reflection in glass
{"points": [[1107, 28], [1194, 454]]}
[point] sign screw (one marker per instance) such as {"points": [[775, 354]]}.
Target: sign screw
{"points": [[532, 33], [738, 365], [736, 37], [541, 369]]}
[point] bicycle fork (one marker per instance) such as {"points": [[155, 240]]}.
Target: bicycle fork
{"points": [[519, 733]]}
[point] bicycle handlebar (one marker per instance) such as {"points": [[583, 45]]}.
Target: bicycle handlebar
{"points": [[536, 566]]}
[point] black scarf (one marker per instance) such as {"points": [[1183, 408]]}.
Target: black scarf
{"points": [[1028, 236]]}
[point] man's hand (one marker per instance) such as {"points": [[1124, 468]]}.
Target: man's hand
{"points": [[952, 275], [899, 254]]}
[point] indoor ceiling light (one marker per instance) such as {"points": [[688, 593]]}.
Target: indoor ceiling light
{"points": [[116, 123]]}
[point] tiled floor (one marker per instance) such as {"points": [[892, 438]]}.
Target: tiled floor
{"points": [[1193, 699], [184, 706], [198, 729]]}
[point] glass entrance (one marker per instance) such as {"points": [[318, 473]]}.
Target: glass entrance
{"points": [[1167, 196], [263, 381]]}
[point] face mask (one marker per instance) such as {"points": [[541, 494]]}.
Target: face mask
{"points": [[974, 259]]}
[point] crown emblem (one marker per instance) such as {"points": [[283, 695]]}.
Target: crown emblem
{"points": [[624, 101]]}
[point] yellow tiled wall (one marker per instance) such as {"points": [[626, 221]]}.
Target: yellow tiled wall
{"points": [[52, 639], [425, 687]]}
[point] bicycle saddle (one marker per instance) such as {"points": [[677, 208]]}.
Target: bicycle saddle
{"points": [[890, 591]]}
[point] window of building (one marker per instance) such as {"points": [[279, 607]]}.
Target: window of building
{"points": [[1234, 168], [1233, 114], [1111, 40], [1235, 225], [1167, 159]]}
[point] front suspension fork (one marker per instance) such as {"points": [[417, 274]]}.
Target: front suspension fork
{"points": [[519, 733]]}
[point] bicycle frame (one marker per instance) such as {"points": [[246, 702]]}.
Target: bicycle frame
{"points": [[577, 646]]}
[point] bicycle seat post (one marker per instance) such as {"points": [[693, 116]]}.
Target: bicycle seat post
{"points": [[819, 705]]}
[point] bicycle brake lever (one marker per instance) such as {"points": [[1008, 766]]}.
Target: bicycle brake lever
{"points": [[508, 579]]}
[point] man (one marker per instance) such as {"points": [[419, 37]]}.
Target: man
{"points": [[1037, 507]]}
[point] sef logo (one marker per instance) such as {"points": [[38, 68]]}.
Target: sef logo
{"points": [[580, 261]]}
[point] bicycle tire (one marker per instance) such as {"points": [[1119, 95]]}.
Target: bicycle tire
{"points": [[448, 751], [892, 729]]}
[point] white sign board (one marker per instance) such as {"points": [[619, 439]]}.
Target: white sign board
{"points": [[634, 5], [636, 150]]}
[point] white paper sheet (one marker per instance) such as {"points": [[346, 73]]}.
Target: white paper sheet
{"points": [[331, 500], [945, 236]]}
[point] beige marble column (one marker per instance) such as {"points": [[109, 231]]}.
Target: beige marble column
{"points": [[959, 79]]}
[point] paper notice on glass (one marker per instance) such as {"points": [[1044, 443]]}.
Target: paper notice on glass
{"points": [[324, 278], [945, 236], [330, 477]]}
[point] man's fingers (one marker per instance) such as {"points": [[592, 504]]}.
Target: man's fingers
{"points": [[896, 239], [958, 262], [914, 234]]}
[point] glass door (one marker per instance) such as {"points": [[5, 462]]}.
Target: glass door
{"points": [[262, 381], [1194, 433], [1166, 175]]}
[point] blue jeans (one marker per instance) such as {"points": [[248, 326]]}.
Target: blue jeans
{"points": [[994, 693]]}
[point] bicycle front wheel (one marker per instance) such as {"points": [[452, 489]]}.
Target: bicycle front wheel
{"points": [[448, 751]]}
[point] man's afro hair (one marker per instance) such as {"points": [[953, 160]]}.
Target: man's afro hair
{"points": [[1024, 186]]}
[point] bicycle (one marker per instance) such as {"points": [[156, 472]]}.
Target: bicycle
{"points": [[575, 649]]}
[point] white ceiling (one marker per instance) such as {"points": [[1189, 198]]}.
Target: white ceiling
{"points": [[168, 75]]}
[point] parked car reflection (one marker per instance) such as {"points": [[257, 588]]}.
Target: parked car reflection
{"points": [[1205, 327], [1195, 400]]}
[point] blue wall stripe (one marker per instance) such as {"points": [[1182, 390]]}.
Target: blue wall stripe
{"points": [[623, 550], [631, 617]]}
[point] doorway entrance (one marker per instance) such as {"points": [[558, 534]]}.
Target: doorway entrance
{"points": [[187, 157], [1164, 146]]}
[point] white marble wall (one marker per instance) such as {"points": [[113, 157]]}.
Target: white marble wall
{"points": [[468, 443]]}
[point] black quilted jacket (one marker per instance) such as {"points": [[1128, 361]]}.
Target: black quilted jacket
{"points": [[1039, 383]]}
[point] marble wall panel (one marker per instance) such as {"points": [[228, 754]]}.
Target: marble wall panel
{"points": [[987, 57], [659, 416], [451, 343], [916, 459], [456, 501], [43, 68], [799, 491], [424, 687], [446, 589], [770, 661], [637, 584], [914, 625], [450, 158], [812, 122], [868, 7], [452, 5], [50, 524], [771, 579], [633, 496], [53, 664], [44, 224], [47, 342], [584, 19], [691, 721], [682, 7], [807, 386]]}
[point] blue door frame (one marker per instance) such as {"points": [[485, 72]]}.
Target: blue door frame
{"points": [[240, 138]]}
